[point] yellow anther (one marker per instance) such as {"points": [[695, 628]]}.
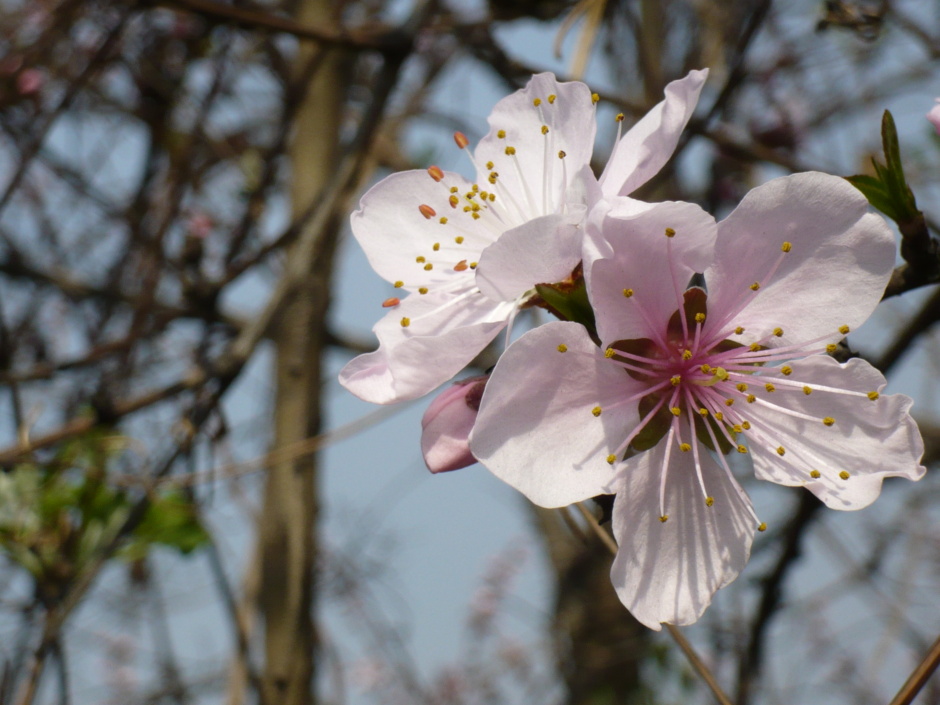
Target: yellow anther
{"points": [[709, 501], [786, 247], [501, 134], [473, 265], [594, 98], [703, 411], [807, 390], [619, 117], [686, 354], [737, 428], [685, 447], [753, 347], [399, 284], [815, 474], [537, 102], [492, 197], [611, 459], [729, 402], [428, 267], [489, 166], [699, 317], [436, 246], [510, 150], [831, 348], [435, 173], [707, 369], [778, 332], [453, 200], [551, 98], [454, 189], [544, 129], [562, 348], [609, 353], [780, 451], [829, 421], [475, 216], [423, 290], [405, 322], [420, 259], [844, 330], [738, 330], [562, 154], [746, 425], [675, 410], [596, 411], [628, 293], [443, 220], [459, 239], [755, 286], [786, 370], [844, 475], [762, 527], [676, 380], [751, 398], [461, 139], [770, 387], [670, 232], [742, 449], [873, 395], [721, 374], [719, 416], [492, 177], [741, 387]]}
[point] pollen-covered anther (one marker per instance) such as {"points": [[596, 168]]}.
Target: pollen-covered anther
{"points": [[685, 447], [461, 139], [391, 301], [719, 416], [742, 449], [562, 154], [707, 369], [459, 239], [770, 387], [828, 421], [405, 322], [436, 246], [720, 374], [596, 411], [619, 117], [473, 265], [423, 290], [786, 370], [609, 353], [753, 347], [537, 102], [762, 527], [844, 475], [703, 411], [551, 98], [676, 380], [807, 390], [460, 266], [786, 247], [873, 395], [746, 425], [781, 451], [751, 398], [709, 501], [670, 232], [815, 474], [399, 284], [741, 387], [420, 259], [844, 330], [562, 348], [831, 348], [489, 166], [737, 428], [453, 200], [738, 330], [729, 402], [664, 518], [435, 173], [544, 129], [443, 220], [510, 150], [686, 354], [675, 410], [627, 293], [699, 317], [755, 286], [778, 332], [595, 98], [501, 134], [428, 267], [611, 459]]}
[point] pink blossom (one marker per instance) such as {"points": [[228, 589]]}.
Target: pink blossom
{"points": [[470, 254], [934, 116], [688, 377], [30, 81], [446, 426]]}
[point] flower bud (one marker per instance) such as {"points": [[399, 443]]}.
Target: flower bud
{"points": [[447, 423]]}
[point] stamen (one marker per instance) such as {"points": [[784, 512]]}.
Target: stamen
{"points": [[391, 301], [461, 139], [436, 173], [562, 348]]}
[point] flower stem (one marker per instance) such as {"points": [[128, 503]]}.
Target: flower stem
{"points": [[919, 676], [695, 660]]}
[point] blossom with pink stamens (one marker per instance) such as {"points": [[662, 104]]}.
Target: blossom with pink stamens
{"points": [[469, 254], [689, 380]]}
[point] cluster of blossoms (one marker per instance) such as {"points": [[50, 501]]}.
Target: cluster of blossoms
{"points": [[684, 344]]}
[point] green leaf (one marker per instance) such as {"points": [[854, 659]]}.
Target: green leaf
{"points": [[569, 302], [171, 520], [875, 192]]}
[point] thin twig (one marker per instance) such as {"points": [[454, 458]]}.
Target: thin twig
{"points": [[919, 676]]}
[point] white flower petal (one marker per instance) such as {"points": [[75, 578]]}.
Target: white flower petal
{"points": [[649, 144], [444, 334], [870, 440], [668, 571], [638, 261], [835, 273], [543, 251], [535, 179], [538, 429]]}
